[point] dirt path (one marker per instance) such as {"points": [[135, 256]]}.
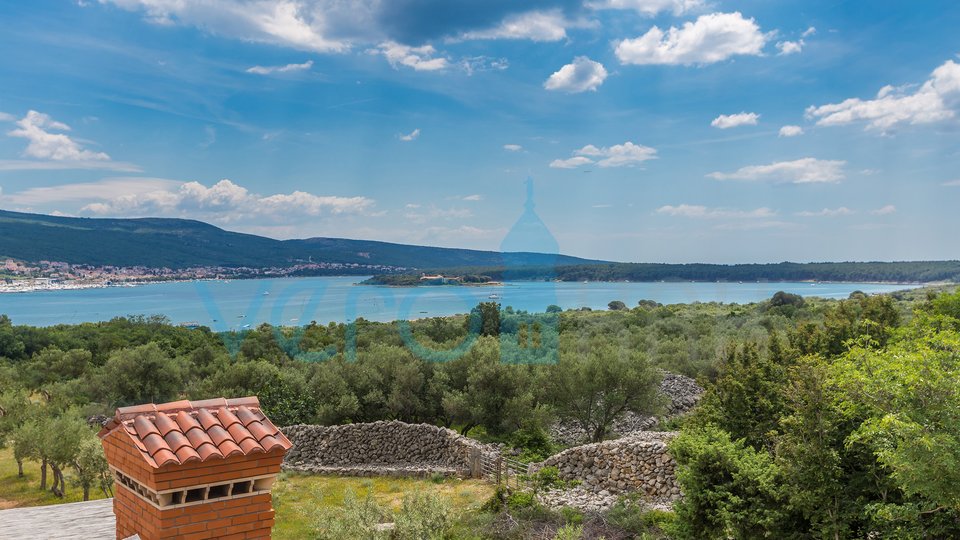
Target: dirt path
{"points": [[5, 504]]}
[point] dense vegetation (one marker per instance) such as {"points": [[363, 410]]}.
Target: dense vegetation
{"points": [[836, 419], [897, 272], [182, 243]]}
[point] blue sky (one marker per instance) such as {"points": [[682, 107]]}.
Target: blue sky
{"points": [[655, 130]]}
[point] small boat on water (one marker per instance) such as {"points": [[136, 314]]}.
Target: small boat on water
{"points": [[266, 293], [494, 297]]}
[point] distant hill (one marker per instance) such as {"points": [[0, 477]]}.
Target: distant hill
{"points": [[182, 243]]}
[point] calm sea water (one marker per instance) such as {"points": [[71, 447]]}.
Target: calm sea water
{"points": [[224, 305]]}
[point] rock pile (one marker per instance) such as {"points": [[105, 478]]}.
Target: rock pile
{"points": [[379, 449], [682, 393], [639, 463]]}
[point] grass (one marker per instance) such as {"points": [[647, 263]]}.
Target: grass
{"points": [[298, 498], [16, 491]]}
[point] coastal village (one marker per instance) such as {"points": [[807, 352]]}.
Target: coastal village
{"points": [[21, 276]]}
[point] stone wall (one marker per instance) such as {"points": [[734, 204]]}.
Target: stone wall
{"points": [[639, 463], [380, 449]]}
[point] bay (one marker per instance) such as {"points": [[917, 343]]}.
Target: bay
{"points": [[235, 304]]}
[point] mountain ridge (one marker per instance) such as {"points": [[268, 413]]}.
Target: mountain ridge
{"points": [[182, 243]]}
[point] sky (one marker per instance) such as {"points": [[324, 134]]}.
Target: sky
{"points": [[654, 130]]}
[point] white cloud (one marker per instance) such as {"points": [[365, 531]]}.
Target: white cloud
{"points": [[31, 165], [618, 155], [512, 147], [934, 101], [726, 121], [579, 76], [711, 38], [809, 32], [412, 136], [791, 131], [790, 47], [106, 188], [827, 212], [703, 212], [885, 210], [419, 58], [548, 25], [433, 213], [570, 163], [650, 8], [7, 117], [226, 201], [289, 23], [38, 129], [267, 70], [951, 183], [473, 198], [802, 171]]}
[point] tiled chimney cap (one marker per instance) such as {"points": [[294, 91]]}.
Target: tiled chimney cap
{"points": [[183, 431]]}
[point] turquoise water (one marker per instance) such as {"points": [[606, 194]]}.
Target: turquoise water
{"points": [[225, 305]]}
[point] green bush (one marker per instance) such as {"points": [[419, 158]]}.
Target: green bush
{"points": [[569, 532], [423, 516], [355, 519]]}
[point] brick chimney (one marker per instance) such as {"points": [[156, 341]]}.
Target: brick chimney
{"points": [[193, 469]]}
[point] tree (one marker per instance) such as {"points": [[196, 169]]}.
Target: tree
{"points": [[729, 488], [144, 374], [616, 305], [61, 444], [488, 315], [595, 386], [91, 467]]}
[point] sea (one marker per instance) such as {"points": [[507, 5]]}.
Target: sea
{"points": [[236, 304]]}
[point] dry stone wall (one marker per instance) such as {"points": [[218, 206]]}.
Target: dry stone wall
{"points": [[639, 463], [682, 394], [380, 449]]}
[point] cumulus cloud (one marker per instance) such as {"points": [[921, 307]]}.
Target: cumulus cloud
{"points": [[790, 47], [50, 148], [579, 76], [711, 38], [7, 117], [650, 8], [827, 212], [801, 171], [884, 210], [570, 163], [290, 23], [934, 101], [726, 121], [512, 147], [418, 58], [412, 136], [703, 212], [43, 143], [267, 70], [618, 155], [226, 201], [790, 131], [550, 25]]}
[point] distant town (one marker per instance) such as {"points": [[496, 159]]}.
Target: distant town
{"points": [[20, 276]]}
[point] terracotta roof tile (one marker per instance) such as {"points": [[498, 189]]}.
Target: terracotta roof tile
{"points": [[184, 431]]}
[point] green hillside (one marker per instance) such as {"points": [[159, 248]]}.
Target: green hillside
{"points": [[180, 243]]}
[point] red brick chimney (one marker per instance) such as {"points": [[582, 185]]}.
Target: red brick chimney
{"points": [[194, 469]]}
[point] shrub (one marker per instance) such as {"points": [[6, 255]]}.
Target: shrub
{"points": [[423, 516], [569, 532], [355, 519]]}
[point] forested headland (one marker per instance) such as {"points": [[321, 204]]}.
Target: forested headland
{"points": [[821, 418]]}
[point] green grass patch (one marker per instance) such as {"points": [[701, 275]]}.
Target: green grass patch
{"points": [[18, 491]]}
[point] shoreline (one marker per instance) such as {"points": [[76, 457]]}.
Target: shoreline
{"points": [[74, 286]]}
